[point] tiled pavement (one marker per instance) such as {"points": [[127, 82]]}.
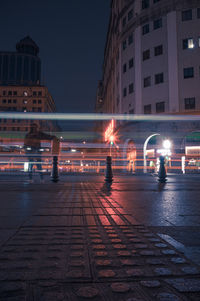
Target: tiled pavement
{"points": [[81, 244]]}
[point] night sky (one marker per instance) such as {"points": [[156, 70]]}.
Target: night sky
{"points": [[71, 36]]}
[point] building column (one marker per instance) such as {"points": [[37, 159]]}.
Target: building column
{"points": [[172, 62], [138, 72]]}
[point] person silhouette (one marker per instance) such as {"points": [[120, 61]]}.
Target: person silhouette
{"points": [[32, 146]]}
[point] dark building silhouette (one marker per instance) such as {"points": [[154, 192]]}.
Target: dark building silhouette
{"points": [[22, 67]]}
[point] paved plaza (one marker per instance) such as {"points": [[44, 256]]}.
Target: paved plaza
{"points": [[79, 239]]}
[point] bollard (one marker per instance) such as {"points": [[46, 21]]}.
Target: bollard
{"points": [[109, 174], [54, 174], [162, 172]]}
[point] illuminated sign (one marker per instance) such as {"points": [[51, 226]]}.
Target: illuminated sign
{"points": [[192, 150], [109, 132]]}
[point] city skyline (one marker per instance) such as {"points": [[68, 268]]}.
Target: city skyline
{"points": [[71, 54]]}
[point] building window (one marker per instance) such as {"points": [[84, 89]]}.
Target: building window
{"points": [[25, 93], [198, 13], [4, 93], [124, 45], [124, 68], [14, 100], [4, 101], [39, 109], [25, 101], [130, 63], [198, 41], [124, 21], [130, 39], [145, 4], [131, 111], [146, 55], [130, 14], [9, 101], [39, 93], [9, 92], [14, 93], [34, 93], [124, 92], [189, 103], [158, 50], [130, 88], [155, 1], [188, 43], [160, 107], [187, 15], [147, 109], [157, 23], [34, 100], [188, 72], [159, 78], [147, 81], [145, 29]]}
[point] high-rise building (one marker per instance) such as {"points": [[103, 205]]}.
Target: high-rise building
{"points": [[21, 89], [151, 60]]}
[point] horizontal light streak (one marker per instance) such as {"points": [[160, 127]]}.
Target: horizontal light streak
{"points": [[94, 117]]}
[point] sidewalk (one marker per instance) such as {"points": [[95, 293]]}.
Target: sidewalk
{"points": [[77, 240]]}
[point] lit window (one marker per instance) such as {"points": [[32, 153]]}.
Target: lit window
{"points": [[188, 43], [145, 29], [157, 24], [187, 15], [159, 78], [25, 93], [189, 103], [160, 107], [25, 101], [188, 72]]}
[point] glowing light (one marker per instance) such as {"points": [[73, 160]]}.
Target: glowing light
{"points": [[73, 150], [167, 144], [91, 116], [109, 132], [190, 43]]}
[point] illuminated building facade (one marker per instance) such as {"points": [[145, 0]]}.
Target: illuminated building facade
{"points": [[151, 60], [21, 89]]}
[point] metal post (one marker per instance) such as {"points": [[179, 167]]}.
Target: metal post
{"points": [[162, 172], [54, 175], [109, 174]]}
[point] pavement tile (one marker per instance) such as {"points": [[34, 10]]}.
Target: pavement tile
{"points": [[185, 285]]}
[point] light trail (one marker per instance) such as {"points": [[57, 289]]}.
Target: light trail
{"points": [[95, 117]]}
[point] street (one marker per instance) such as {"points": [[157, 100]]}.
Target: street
{"points": [[79, 239]]}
